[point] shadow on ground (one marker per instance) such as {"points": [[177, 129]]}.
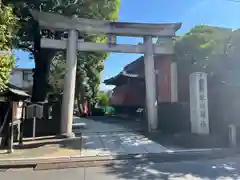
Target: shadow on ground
{"points": [[45, 148], [61, 143], [102, 136], [75, 143], [131, 124], [150, 170], [175, 141]]}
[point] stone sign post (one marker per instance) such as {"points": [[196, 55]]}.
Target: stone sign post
{"points": [[34, 111], [199, 103]]}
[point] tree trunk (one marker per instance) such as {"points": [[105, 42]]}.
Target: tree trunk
{"points": [[79, 104], [89, 108], [41, 74], [43, 61], [43, 58]]}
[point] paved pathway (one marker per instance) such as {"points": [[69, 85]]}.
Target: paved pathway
{"points": [[100, 138], [104, 125]]}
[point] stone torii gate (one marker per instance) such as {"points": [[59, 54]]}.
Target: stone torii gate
{"points": [[74, 25]]}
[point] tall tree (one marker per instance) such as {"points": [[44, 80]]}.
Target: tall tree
{"points": [[8, 25], [201, 44], [198, 50], [30, 33], [57, 73], [88, 77]]}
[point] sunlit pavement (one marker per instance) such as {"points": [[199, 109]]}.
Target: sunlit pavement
{"points": [[102, 138], [105, 138], [228, 168]]}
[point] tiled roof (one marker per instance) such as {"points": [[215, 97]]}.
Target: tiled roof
{"points": [[122, 77], [19, 92], [15, 90]]}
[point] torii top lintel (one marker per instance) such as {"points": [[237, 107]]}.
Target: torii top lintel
{"points": [[59, 22]]}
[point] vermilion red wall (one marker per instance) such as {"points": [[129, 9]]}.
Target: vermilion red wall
{"points": [[163, 67], [133, 93], [118, 94]]}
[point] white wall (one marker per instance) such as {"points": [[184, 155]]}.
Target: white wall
{"points": [[27, 84], [17, 78]]}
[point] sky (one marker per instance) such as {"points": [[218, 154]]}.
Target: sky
{"points": [[222, 13]]}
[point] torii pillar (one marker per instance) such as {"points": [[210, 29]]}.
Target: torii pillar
{"points": [[69, 85], [150, 83], [73, 25]]}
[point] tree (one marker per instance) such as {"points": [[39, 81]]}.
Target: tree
{"points": [[214, 51], [103, 100], [57, 73], [108, 93], [30, 33], [200, 50], [8, 25], [201, 44], [89, 68]]}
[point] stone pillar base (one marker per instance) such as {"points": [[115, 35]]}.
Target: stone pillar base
{"points": [[66, 135]]}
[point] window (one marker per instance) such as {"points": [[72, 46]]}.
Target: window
{"points": [[27, 76]]}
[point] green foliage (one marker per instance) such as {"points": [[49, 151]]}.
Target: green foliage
{"points": [[200, 47], [110, 110], [90, 64], [108, 93], [103, 100], [57, 73], [7, 62], [8, 26], [29, 38], [233, 45], [107, 10], [212, 50]]}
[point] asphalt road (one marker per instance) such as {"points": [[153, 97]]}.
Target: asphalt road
{"points": [[228, 168]]}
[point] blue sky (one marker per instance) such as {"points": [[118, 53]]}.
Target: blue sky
{"points": [[224, 13]]}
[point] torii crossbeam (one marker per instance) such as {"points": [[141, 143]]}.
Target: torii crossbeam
{"points": [[74, 25]]}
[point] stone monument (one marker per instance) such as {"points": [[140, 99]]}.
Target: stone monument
{"points": [[199, 103]]}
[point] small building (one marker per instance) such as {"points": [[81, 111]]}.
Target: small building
{"points": [[130, 83], [22, 78], [11, 112]]}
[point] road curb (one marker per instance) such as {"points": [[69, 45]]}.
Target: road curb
{"points": [[80, 161]]}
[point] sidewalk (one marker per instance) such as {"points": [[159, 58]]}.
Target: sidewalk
{"points": [[44, 147], [102, 142], [61, 153], [227, 168]]}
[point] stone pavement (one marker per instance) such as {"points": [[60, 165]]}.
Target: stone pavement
{"points": [[106, 138], [118, 144], [218, 169], [105, 125], [99, 138]]}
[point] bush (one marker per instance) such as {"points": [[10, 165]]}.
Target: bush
{"points": [[98, 112], [110, 110], [103, 100]]}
